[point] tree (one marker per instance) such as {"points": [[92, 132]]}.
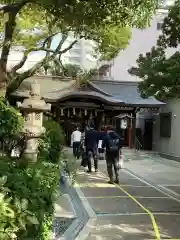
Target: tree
{"points": [[66, 70], [160, 74], [32, 25]]}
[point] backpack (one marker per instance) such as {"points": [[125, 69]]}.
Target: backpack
{"points": [[113, 145]]}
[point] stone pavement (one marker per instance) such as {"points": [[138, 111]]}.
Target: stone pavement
{"points": [[161, 172], [131, 210]]}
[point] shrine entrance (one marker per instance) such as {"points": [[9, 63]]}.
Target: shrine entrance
{"points": [[79, 108], [82, 110], [69, 124]]}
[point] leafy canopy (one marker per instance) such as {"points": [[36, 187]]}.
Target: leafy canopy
{"points": [[160, 74], [32, 24]]}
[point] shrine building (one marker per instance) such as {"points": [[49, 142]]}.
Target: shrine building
{"points": [[102, 102]]}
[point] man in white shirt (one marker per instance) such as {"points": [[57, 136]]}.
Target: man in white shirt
{"points": [[76, 142]]}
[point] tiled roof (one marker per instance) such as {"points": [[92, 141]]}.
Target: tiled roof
{"points": [[50, 86], [113, 92], [126, 92], [76, 94]]}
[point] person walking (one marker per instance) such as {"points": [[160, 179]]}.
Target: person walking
{"points": [[76, 142], [113, 144], [91, 144], [102, 133], [83, 151]]}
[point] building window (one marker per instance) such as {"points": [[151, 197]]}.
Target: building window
{"points": [[165, 125], [159, 25]]}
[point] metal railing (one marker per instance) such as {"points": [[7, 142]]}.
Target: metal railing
{"points": [[138, 145]]}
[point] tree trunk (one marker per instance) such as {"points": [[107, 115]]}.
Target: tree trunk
{"points": [[3, 83], [8, 35], [45, 70], [47, 54]]}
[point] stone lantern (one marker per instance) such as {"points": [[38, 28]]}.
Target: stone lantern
{"points": [[33, 108]]}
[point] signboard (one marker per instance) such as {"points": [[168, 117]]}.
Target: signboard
{"points": [[123, 123]]}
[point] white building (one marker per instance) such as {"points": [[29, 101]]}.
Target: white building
{"points": [[141, 42], [82, 53]]}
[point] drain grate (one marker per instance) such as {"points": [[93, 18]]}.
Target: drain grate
{"points": [[61, 224]]}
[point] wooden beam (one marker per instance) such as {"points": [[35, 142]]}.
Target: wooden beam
{"points": [[121, 108], [78, 105]]}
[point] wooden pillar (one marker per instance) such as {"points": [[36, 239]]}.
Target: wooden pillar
{"points": [[102, 119], [133, 139], [98, 121], [130, 133], [57, 110]]}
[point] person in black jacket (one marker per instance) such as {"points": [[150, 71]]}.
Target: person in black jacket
{"points": [[91, 144], [102, 134], [113, 144]]}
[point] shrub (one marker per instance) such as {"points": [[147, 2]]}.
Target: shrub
{"points": [[52, 141], [11, 122], [70, 166], [26, 199]]}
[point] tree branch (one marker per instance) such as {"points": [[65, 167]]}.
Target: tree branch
{"points": [[18, 78], [48, 50], [25, 56], [13, 7], [69, 47], [49, 38]]}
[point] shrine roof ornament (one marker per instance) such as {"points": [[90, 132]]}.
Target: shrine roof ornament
{"points": [[124, 116]]}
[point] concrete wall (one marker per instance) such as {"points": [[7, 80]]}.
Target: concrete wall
{"points": [[168, 146]]}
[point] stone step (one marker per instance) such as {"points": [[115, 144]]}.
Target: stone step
{"points": [[64, 207], [64, 215]]}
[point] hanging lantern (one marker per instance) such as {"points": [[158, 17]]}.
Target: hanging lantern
{"points": [[103, 117], [74, 111], [68, 112], [124, 123], [80, 113], [96, 113], [85, 112], [62, 112], [90, 116]]}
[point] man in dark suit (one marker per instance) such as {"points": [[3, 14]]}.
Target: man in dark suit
{"points": [[112, 142], [91, 144]]}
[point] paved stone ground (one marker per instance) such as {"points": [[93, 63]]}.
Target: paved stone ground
{"points": [[124, 216], [160, 171]]}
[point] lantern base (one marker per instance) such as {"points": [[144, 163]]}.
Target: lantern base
{"points": [[29, 157]]}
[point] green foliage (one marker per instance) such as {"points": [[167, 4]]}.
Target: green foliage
{"points": [[11, 120], [35, 23], [26, 199], [46, 233], [51, 143], [91, 13], [160, 74], [66, 70], [114, 39], [70, 165], [72, 70], [171, 28]]}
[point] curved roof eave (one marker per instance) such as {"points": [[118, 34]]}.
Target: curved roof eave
{"points": [[94, 86], [84, 94]]}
